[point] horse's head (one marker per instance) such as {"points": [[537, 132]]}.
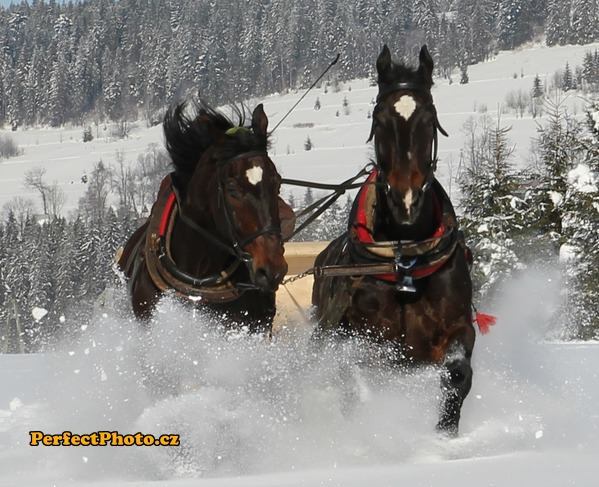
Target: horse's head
{"points": [[232, 189], [404, 127]]}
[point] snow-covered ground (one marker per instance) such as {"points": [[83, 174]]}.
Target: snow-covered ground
{"points": [[339, 149], [259, 413]]}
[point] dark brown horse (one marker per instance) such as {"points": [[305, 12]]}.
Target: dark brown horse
{"points": [[403, 221], [214, 235]]}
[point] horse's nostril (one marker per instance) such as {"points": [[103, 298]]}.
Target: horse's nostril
{"points": [[265, 279], [395, 196], [261, 275]]}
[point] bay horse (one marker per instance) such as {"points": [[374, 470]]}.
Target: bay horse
{"points": [[402, 221], [214, 233]]}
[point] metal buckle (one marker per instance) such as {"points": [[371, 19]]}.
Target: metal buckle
{"points": [[405, 282], [406, 285]]}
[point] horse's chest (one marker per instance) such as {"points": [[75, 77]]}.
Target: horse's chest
{"points": [[379, 310]]}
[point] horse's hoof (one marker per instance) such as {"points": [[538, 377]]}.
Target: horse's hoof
{"points": [[447, 430]]}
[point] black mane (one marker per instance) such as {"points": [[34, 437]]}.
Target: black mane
{"points": [[191, 127]]}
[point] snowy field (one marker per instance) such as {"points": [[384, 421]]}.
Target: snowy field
{"points": [[339, 149], [257, 413]]}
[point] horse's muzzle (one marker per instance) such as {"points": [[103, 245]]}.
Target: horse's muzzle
{"points": [[268, 263], [268, 280], [405, 206]]}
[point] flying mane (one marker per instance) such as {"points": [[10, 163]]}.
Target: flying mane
{"points": [[191, 127]]}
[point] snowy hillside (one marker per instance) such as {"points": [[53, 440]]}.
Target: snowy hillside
{"points": [[339, 147]]}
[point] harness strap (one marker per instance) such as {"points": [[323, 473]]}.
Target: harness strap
{"points": [[321, 205], [163, 270], [385, 271], [390, 260]]}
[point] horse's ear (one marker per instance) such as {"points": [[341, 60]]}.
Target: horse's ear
{"points": [[426, 64], [383, 62], [259, 121]]}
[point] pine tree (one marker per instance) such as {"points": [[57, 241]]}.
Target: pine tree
{"points": [[537, 87], [590, 70], [579, 251], [511, 25], [557, 29], [537, 94], [493, 214], [426, 18], [559, 149], [585, 16], [567, 79]]}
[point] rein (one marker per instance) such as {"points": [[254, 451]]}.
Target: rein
{"points": [[320, 206]]}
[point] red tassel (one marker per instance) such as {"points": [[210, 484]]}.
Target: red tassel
{"points": [[484, 322]]}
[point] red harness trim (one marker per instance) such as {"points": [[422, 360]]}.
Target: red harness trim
{"points": [[166, 214], [364, 232]]}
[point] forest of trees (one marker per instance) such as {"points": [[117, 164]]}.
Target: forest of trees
{"points": [[59, 266], [95, 60], [545, 215]]}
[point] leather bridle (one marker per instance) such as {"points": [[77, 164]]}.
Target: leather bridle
{"points": [[235, 246], [430, 107]]}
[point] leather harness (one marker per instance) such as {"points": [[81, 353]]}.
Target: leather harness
{"points": [[150, 246], [397, 262]]}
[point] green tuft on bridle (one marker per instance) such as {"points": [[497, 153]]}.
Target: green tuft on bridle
{"points": [[235, 130]]}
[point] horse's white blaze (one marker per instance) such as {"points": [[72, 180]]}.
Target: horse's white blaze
{"points": [[407, 200], [254, 175], [405, 106]]}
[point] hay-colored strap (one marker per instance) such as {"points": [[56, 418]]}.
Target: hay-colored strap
{"points": [[235, 130]]}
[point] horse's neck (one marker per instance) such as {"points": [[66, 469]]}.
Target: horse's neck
{"points": [[387, 229], [194, 254]]}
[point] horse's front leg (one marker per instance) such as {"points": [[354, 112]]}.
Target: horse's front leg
{"points": [[456, 381]]}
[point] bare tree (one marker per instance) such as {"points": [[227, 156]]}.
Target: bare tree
{"points": [[477, 130], [56, 199], [34, 179], [8, 147], [21, 208], [518, 101], [95, 199], [122, 181], [150, 169]]}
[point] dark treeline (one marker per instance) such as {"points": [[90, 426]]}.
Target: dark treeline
{"points": [[59, 266], [56, 267], [107, 59]]}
